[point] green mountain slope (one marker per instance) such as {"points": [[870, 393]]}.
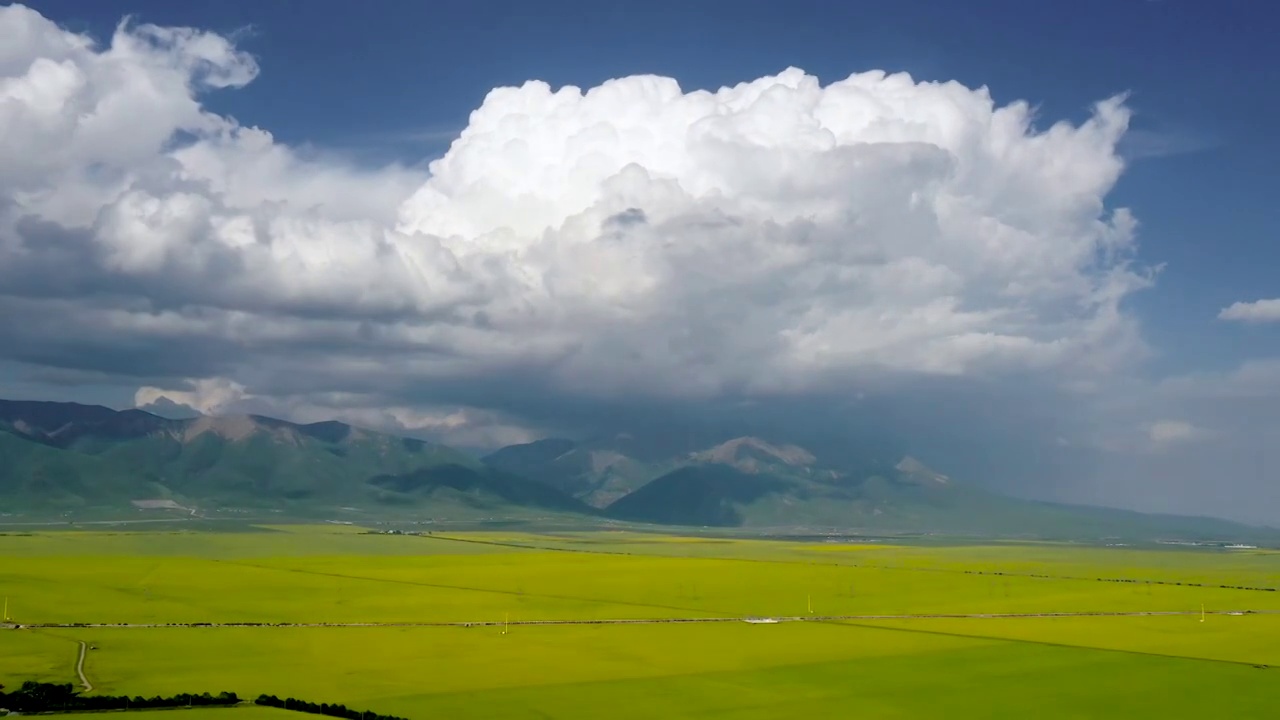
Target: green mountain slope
{"points": [[769, 487], [714, 495], [35, 475], [470, 486], [597, 472], [64, 456], [750, 482]]}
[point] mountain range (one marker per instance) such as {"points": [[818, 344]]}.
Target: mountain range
{"points": [[57, 458]]}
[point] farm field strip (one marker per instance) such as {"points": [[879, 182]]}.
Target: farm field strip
{"points": [[398, 588], [1230, 647], [654, 621], [727, 670], [808, 554], [475, 588], [245, 711]]}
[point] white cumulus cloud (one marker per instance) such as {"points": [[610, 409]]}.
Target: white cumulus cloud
{"points": [[634, 239], [210, 396], [1259, 311]]}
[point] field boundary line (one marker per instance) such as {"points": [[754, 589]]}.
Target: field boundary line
{"points": [[1047, 643], [1075, 578], [654, 621]]}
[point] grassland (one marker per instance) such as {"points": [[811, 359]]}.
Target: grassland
{"points": [[1170, 666]]}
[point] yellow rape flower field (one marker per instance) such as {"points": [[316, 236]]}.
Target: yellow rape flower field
{"points": [[632, 625]]}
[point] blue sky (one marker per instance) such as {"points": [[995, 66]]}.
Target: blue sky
{"points": [[396, 82], [168, 252]]}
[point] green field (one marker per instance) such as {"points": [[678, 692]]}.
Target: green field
{"points": [[1047, 667], [245, 712]]}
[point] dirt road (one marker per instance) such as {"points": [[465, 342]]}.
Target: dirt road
{"points": [[84, 681]]}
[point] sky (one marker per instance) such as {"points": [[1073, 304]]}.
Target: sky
{"points": [[1029, 243]]}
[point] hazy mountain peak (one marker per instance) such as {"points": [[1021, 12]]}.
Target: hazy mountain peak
{"points": [[235, 428], [747, 453], [170, 410], [913, 468], [545, 450]]}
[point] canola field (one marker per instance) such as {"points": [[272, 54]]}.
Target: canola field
{"points": [[435, 626]]}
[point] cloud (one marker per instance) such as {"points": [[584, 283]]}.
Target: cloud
{"points": [[1165, 432], [164, 407], [792, 233], [874, 260], [1144, 143], [1260, 311], [458, 426], [1204, 442], [208, 396]]}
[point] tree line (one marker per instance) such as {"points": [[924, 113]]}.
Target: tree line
{"points": [[341, 711], [40, 697], [35, 697]]}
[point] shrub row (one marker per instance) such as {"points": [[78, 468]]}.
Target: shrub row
{"points": [[1138, 581], [34, 697], [38, 697], [341, 711]]}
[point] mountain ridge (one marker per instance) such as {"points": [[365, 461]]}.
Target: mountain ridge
{"points": [[72, 457], [748, 481], [68, 455]]}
